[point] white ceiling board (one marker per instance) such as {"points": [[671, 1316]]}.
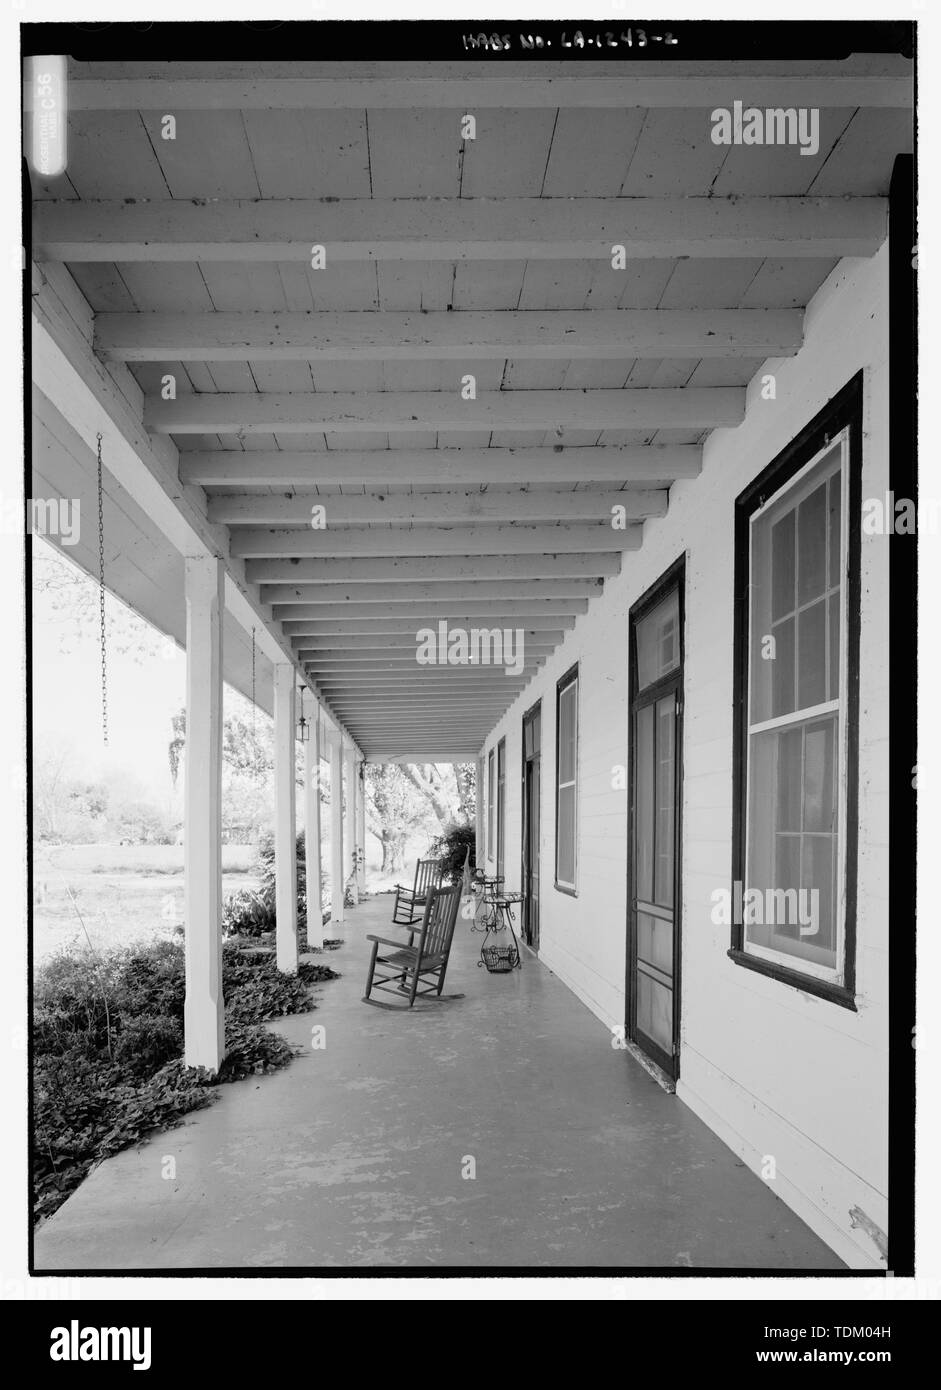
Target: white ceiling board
{"points": [[786, 284], [674, 156], [113, 150], [309, 154], [862, 159], [781, 170], [210, 157], [509, 156], [415, 154], [178, 288], [591, 153]]}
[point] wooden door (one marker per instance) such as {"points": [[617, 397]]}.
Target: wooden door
{"points": [[656, 654], [532, 733]]}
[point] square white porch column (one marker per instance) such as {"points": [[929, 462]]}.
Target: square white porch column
{"points": [[203, 1010], [285, 821], [349, 820], [361, 826], [312, 845], [336, 830]]}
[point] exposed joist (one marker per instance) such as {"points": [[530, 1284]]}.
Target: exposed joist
{"points": [[408, 412], [383, 467], [401, 656], [441, 336], [424, 569], [451, 505], [434, 540], [401, 627], [881, 80], [454, 229], [365, 614]]}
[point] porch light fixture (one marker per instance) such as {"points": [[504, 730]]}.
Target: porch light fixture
{"points": [[303, 725]]}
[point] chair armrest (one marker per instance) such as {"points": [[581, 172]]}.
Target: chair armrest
{"points": [[390, 941]]}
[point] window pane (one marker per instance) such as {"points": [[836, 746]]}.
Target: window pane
{"points": [[781, 666], [820, 776], [567, 702], [658, 641], [812, 545], [643, 854], [782, 566], [655, 942], [565, 846], [666, 757], [834, 528], [655, 1010], [833, 692], [792, 839], [812, 656]]}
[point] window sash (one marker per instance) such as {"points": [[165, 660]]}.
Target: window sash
{"points": [[794, 485], [490, 804], [566, 732]]}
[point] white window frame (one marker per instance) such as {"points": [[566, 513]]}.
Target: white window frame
{"points": [[795, 963], [569, 681]]}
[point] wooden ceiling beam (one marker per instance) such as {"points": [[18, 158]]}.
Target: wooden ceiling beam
{"points": [[454, 569], [250, 543], [350, 611], [610, 463], [879, 80], [545, 505], [455, 229], [443, 336], [408, 412]]}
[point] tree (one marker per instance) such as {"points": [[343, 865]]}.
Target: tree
{"points": [[393, 811]]}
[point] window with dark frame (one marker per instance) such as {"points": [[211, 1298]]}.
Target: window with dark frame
{"points": [[566, 773], [491, 802], [797, 670]]}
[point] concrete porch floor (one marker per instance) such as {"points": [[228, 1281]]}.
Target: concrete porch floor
{"points": [[353, 1155]]}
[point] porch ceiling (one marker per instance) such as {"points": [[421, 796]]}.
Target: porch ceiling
{"points": [[341, 387]]}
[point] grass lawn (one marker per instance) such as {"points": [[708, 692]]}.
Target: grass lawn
{"points": [[124, 893]]}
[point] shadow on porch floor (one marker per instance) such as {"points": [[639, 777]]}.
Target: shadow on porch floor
{"points": [[353, 1156]]}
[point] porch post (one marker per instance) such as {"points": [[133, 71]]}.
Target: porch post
{"points": [[336, 830], [312, 865], [349, 760], [361, 825], [203, 1009], [285, 827]]}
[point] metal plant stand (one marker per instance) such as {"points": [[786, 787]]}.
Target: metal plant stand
{"points": [[494, 915]]}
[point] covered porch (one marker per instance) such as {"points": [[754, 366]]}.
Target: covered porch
{"points": [[356, 1155]]}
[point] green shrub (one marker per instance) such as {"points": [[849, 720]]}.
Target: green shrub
{"points": [[451, 847], [108, 1042]]}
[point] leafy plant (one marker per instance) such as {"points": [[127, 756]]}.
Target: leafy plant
{"points": [[108, 1045], [451, 847]]}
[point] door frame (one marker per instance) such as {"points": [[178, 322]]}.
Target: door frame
{"points": [[673, 577], [533, 710], [500, 848]]}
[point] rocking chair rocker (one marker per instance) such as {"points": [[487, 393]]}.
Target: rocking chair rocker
{"points": [[409, 902], [417, 969]]}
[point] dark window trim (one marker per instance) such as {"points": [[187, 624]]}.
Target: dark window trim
{"points": [[491, 810], [844, 409], [561, 685], [500, 859], [673, 577]]}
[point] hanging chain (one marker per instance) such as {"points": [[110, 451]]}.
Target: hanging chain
{"points": [[253, 692], [101, 601]]}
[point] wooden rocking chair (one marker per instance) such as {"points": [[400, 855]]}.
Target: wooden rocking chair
{"points": [[409, 902], [419, 968]]}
